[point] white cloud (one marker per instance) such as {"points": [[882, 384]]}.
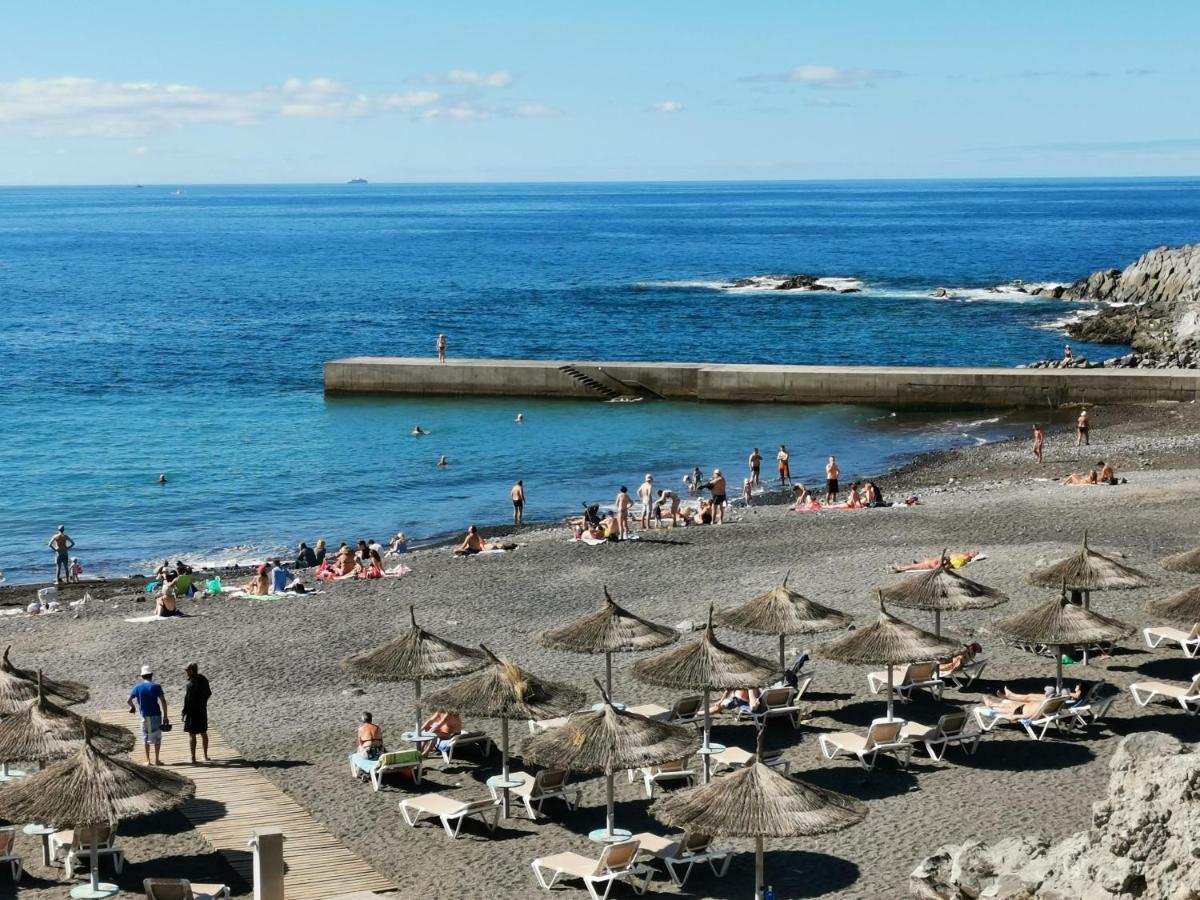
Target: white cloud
{"points": [[498, 79], [85, 106], [667, 106], [534, 110], [829, 76], [459, 112]]}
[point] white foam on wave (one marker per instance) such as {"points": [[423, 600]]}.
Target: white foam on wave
{"points": [[756, 284], [1063, 322], [221, 557]]}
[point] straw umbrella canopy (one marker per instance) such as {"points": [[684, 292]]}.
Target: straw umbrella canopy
{"points": [[1187, 562], [69, 691], [503, 690], [1183, 607], [781, 611], [706, 665], [757, 801], [1060, 623], [45, 731], [609, 740], [889, 642], [415, 656], [93, 788], [1088, 571], [941, 590], [608, 630]]}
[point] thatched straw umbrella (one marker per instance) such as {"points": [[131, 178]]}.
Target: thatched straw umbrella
{"points": [[608, 630], [609, 740], [1089, 571], [1183, 607], [1059, 623], [415, 656], [503, 690], [941, 590], [1187, 562], [889, 642], [705, 666], [781, 611], [93, 788], [45, 731], [68, 691], [757, 801]]}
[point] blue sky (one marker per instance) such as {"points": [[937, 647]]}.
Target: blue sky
{"points": [[542, 91]]}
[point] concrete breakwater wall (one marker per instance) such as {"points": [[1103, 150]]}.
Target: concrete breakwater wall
{"points": [[891, 386]]}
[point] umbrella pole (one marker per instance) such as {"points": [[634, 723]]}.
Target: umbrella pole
{"points": [[782, 658], [504, 766], [758, 867], [417, 729], [891, 690], [1087, 604], [1058, 665], [937, 622], [608, 673], [707, 725], [610, 814]]}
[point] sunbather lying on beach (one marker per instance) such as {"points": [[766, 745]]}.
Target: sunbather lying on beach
{"points": [[854, 501], [473, 544], [950, 560], [1103, 473], [1013, 703], [1093, 477]]}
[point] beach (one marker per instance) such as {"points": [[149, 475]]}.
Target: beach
{"points": [[281, 697]]}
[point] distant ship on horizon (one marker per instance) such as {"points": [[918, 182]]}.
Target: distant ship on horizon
{"points": [[357, 181]]}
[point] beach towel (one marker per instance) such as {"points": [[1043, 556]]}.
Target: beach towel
{"points": [[396, 571], [153, 617], [590, 541]]}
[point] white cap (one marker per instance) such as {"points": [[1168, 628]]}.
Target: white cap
{"points": [[146, 670]]}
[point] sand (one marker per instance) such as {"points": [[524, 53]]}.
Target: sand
{"points": [[280, 696]]}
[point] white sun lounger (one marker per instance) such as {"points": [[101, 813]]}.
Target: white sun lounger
{"points": [[8, 837], [77, 844], [1095, 705], [617, 862], [907, 679], [681, 853], [535, 790], [966, 674], [1188, 641], [451, 812], [467, 739], [1053, 712], [182, 889], [950, 731], [1186, 695], [676, 770], [773, 703], [406, 762], [882, 738]]}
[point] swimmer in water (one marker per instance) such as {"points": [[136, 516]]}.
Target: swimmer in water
{"points": [[162, 479], [520, 420], [442, 462], [418, 431]]}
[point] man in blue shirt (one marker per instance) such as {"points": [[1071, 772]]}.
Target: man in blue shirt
{"points": [[280, 578], [152, 703]]}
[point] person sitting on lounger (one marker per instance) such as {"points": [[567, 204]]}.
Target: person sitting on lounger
{"points": [[1013, 703], [743, 698], [951, 560], [445, 725], [370, 738]]}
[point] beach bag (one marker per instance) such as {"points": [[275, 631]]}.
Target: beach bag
{"points": [[214, 585]]}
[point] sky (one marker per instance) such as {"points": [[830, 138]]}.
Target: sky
{"points": [[300, 91]]}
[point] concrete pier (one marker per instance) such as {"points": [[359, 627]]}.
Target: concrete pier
{"points": [[889, 386]]}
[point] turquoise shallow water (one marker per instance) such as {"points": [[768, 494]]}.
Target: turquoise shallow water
{"points": [[148, 332]]}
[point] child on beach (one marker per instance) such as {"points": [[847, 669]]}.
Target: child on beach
{"points": [[76, 569], [747, 490]]}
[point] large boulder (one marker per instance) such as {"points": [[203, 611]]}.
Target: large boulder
{"points": [[1144, 843]]}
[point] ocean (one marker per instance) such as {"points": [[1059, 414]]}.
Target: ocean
{"points": [[182, 330]]}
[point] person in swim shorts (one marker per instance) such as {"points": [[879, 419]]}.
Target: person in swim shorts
{"points": [[152, 703], [518, 501], [755, 462], [832, 473], [785, 466], [61, 543]]}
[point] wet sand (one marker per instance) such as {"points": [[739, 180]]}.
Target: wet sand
{"points": [[281, 697]]}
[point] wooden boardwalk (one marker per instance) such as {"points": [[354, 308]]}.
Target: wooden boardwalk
{"points": [[232, 799]]}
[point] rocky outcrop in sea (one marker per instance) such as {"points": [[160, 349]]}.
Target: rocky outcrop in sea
{"points": [[1144, 841]]}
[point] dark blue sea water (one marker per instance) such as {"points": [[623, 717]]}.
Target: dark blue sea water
{"points": [[148, 331]]}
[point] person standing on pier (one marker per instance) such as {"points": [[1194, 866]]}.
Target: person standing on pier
{"points": [[518, 501], [441, 347], [755, 467]]}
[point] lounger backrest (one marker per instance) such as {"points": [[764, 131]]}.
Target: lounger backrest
{"points": [[1194, 689], [686, 706], [695, 842], [83, 836], [1050, 706], [951, 723], [1194, 633], [400, 758], [617, 857], [7, 836], [883, 733], [919, 672], [675, 765], [167, 889], [776, 697], [802, 685], [549, 780]]}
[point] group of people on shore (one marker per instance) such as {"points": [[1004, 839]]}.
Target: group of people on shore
{"points": [[148, 699], [364, 561]]}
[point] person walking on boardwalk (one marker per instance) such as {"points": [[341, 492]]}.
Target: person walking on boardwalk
{"points": [[152, 703], [518, 501], [1081, 429], [441, 347], [785, 466], [755, 462], [645, 494], [195, 709], [61, 543], [1039, 442], [832, 473]]}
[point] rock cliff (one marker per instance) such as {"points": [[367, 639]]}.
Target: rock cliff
{"points": [[1144, 841], [1158, 297]]}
